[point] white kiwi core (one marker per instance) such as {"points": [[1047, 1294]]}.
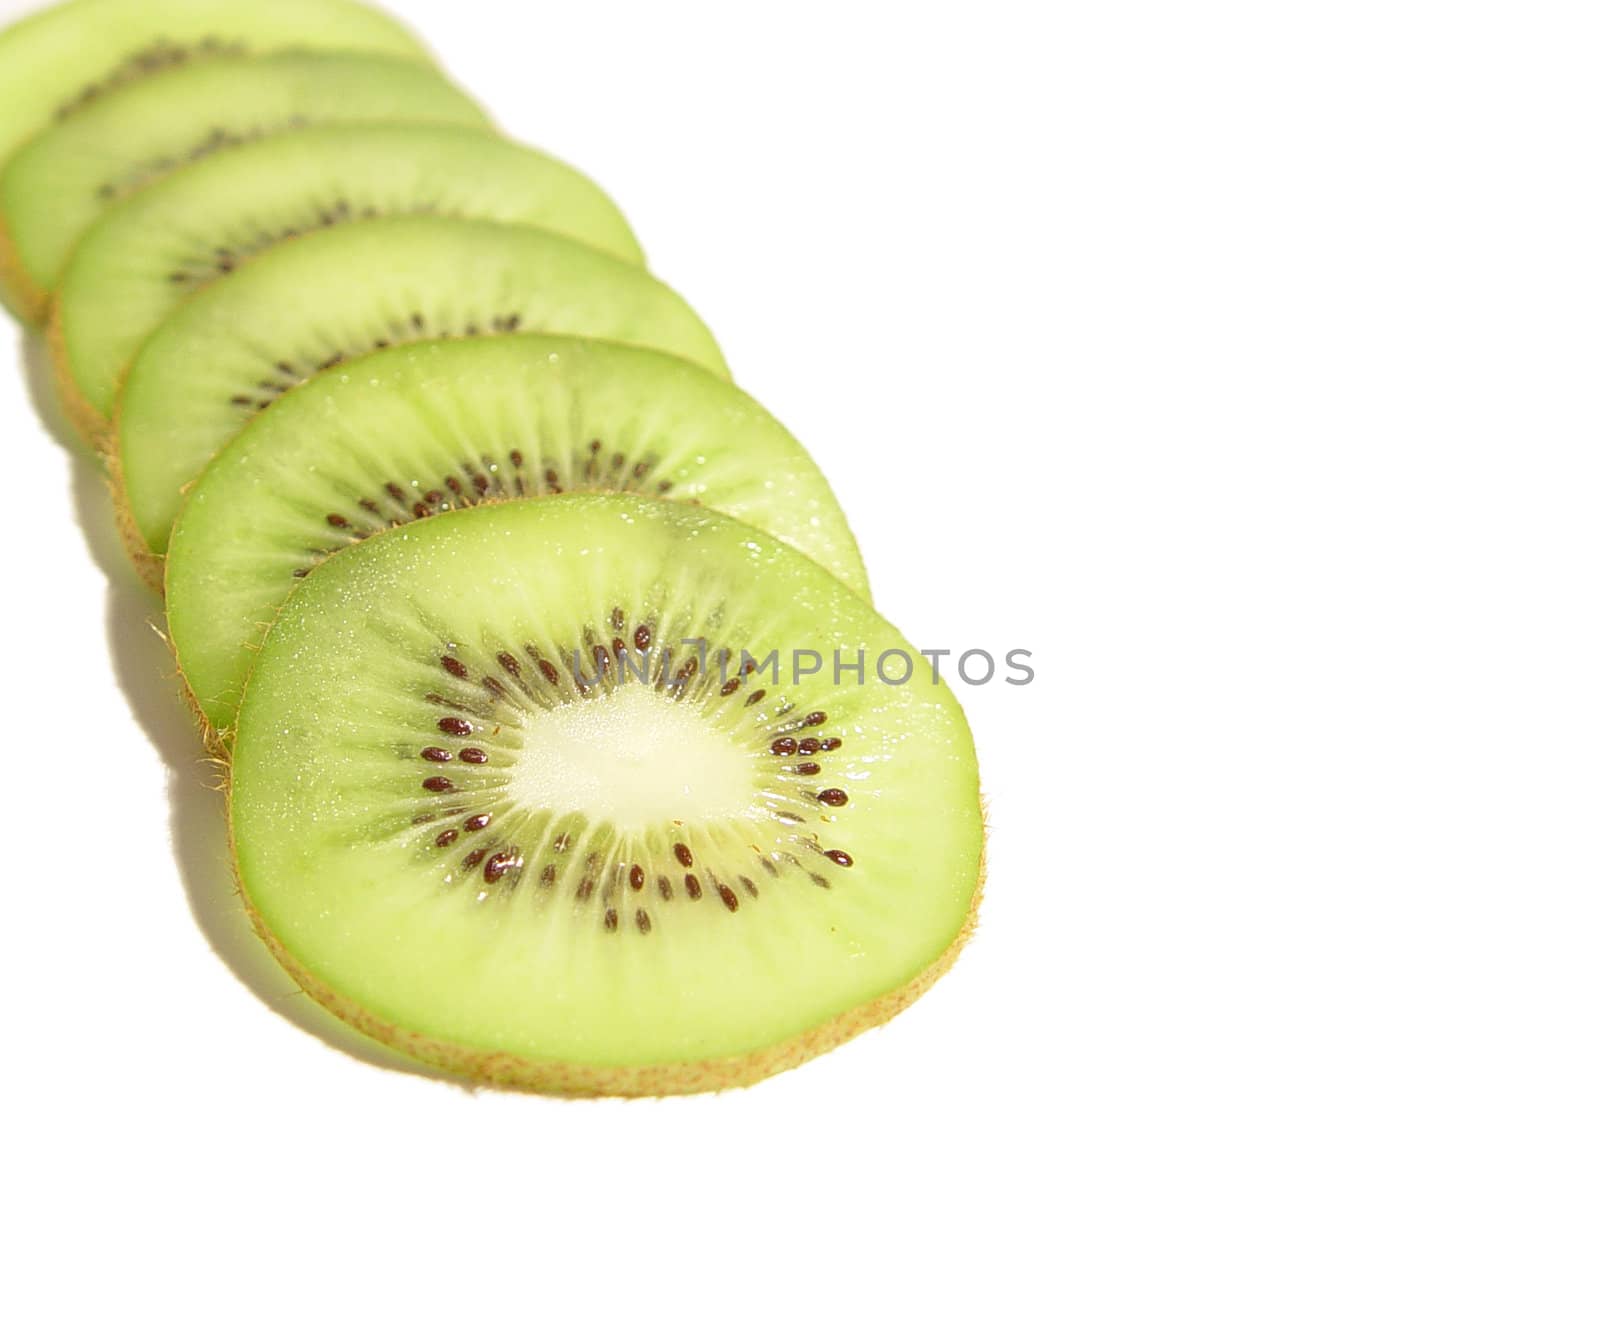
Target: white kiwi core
{"points": [[637, 759]]}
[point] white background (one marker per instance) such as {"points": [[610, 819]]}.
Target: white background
{"points": [[1240, 360]]}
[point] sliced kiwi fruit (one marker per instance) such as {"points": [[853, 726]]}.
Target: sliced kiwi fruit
{"points": [[62, 59], [488, 808], [142, 258], [315, 303], [421, 429], [54, 188]]}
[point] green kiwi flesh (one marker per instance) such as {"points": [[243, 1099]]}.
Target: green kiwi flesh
{"points": [[64, 58], [315, 303], [421, 429], [644, 873], [142, 258], [54, 188]]}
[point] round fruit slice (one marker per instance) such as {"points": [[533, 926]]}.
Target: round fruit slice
{"points": [[421, 429], [54, 188], [313, 304], [62, 59], [194, 227], [489, 808]]}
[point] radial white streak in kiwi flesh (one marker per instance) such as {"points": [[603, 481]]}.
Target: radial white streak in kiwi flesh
{"points": [[637, 760]]}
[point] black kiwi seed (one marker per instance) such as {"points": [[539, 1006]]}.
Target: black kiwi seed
{"points": [[499, 865], [420, 505]]}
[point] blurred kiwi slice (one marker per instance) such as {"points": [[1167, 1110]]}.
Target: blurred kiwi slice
{"points": [[421, 429], [314, 304], [490, 808], [67, 57], [56, 186], [197, 225]]}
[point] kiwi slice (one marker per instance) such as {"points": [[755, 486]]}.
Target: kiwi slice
{"points": [[60, 60], [483, 813], [142, 258], [421, 429], [54, 188], [315, 303]]}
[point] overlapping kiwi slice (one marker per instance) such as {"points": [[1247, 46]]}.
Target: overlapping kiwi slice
{"points": [[60, 60], [312, 305], [196, 226], [54, 188], [513, 792], [417, 430], [566, 750]]}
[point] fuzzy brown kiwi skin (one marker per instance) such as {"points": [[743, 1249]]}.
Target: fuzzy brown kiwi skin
{"points": [[510, 1071], [218, 742], [94, 429], [151, 568], [29, 301]]}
